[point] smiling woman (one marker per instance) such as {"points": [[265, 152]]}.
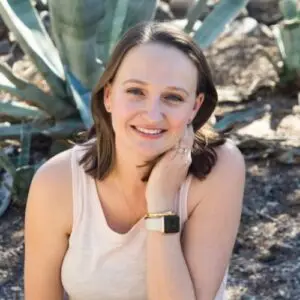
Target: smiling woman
{"points": [[146, 208], [155, 62]]}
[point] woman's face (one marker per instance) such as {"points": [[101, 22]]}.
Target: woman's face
{"points": [[152, 99]]}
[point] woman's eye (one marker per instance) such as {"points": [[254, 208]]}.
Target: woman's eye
{"points": [[135, 91], [174, 97]]}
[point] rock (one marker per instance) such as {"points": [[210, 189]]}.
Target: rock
{"points": [[247, 59], [248, 297], [281, 248], [264, 11], [242, 27], [180, 7], [296, 109], [290, 123], [266, 257], [289, 157], [25, 69], [163, 12], [181, 23], [293, 199], [16, 288], [11, 37]]}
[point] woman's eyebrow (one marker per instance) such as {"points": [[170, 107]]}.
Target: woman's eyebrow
{"points": [[145, 83]]}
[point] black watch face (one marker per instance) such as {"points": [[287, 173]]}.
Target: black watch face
{"points": [[172, 224]]}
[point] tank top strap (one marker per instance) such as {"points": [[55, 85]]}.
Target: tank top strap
{"points": [[79, 187], [183, 198]]}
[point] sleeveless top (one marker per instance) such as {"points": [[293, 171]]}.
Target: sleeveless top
{"points": [[101, 264]]}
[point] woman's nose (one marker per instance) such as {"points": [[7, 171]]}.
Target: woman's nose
{"points": [[154, 111]]}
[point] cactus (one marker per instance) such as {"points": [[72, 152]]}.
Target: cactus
{"points": [[287, 34], [84, 33]]}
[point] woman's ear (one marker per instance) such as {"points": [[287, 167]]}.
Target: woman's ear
{"points": [[107, 97], [198, 103]]}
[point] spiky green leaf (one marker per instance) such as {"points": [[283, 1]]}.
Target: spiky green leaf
{"points": [[21, 184], [60, 129], [194, 13], [5, 190], [288, 9], [288, 40], [25, 138], [6, 163], [18, 110], [214, 23], [74, 26], [22, 19], [137, 11], [89, 29], [81, 97], [29, 92]]}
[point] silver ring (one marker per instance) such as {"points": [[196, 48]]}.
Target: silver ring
{"points": [[182, 150]]}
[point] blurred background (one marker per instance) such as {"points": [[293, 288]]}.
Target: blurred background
{"points": [[53, 52]]}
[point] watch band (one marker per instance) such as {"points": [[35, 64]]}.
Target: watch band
{"points": [[155, 224], [167, 223]]}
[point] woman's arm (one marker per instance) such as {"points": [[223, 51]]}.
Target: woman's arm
{"points": [[196, 271], [167, 273], [47, 221]]}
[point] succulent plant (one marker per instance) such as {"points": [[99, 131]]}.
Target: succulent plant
{"points": [[287, 34], [71, 59]]}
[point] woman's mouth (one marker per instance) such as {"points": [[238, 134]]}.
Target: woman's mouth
{"points": [[147, 132]]}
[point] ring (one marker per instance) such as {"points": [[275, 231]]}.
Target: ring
{"points": [[182, 150]]}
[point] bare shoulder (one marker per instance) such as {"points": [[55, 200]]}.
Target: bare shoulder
{"points": [[55, 173], [59, 162], [229, 160], [229, 164], [51, 188], [48, 222], [228, 171]]}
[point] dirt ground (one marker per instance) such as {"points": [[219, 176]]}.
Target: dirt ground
{"points": [[266, 259]]}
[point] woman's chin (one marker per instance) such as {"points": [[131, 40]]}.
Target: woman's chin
{"points": [[148, 155]]}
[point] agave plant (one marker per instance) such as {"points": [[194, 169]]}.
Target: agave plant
{"points": [[287, 34], [83, 34]]}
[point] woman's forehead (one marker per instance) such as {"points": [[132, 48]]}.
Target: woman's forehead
{"points": [[158, 64]]}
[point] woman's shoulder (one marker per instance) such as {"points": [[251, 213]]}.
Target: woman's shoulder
{"points": [[228, 169], [61, 163], [51, 189], [228, 158], [228, 155], [57, 166]]}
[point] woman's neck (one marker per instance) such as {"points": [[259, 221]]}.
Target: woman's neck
{"points": [[128, 175]]}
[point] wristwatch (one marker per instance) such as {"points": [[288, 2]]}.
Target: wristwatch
{"points": [[167, 222]]}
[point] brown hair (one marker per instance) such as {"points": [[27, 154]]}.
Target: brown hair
{"points": [[99, 158]]}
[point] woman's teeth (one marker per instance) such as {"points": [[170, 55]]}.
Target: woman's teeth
{"points": [[149, 131]]}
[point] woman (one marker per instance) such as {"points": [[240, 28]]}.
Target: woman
{"points": [[149, 206]]}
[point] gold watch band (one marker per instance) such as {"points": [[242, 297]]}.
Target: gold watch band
{"points": [[158, 215]]}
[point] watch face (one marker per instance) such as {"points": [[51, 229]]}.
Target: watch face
{"points": [[172, 224]]}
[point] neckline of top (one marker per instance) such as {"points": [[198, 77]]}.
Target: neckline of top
{"points": [[113, 235]]}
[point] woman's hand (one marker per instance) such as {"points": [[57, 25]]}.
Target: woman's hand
{"points": [[169, 173]]}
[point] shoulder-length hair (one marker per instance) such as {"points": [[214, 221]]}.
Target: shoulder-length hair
{"points": [[99, 159]]}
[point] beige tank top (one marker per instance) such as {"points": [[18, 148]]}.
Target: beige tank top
{"points": [[101, 264]]}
